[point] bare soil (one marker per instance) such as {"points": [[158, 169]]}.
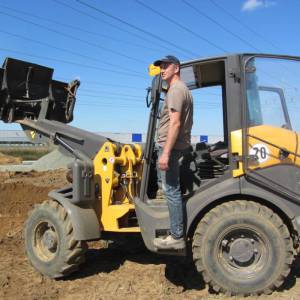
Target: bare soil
{"points": [[8, 159], [110, 272]]}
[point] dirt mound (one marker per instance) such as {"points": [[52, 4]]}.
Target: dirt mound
{"points": [[20, 191], [18, 194], [110, 271], [8, 160]]}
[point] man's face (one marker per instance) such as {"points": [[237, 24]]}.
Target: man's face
{"points": [[168, 70]]}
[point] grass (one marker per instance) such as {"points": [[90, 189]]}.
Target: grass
{"points": [[28, 153]]}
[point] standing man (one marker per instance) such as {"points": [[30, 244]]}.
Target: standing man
{"points": [[174, 136]]}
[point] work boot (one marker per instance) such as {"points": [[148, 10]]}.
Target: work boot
{"points": [[169, 242]]}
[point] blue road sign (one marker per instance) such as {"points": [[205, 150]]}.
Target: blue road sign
{"points": [[136, 137], [204, 138]]}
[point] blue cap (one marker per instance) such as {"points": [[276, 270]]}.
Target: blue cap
{"points": [[167, 59]]}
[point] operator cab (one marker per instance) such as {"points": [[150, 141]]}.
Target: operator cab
{"points": [[207, 158]]}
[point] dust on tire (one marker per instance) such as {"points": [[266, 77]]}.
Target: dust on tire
{"points": [[267, 262], [58, 254]]}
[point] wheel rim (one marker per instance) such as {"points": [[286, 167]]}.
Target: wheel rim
{"points": [[45, 241], [243, 252]]}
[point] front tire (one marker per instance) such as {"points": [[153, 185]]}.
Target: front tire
{"points": [[49, 241], [242, 248]]}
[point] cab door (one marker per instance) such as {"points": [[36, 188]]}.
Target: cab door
{"points": [[271, 140]]}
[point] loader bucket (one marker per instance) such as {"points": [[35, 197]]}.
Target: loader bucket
{"points": [[27, 91]]}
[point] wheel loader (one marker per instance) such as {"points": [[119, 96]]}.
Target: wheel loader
{"points": [[241, 194]]}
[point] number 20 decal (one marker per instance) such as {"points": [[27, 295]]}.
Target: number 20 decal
{"points": [[261, 151]]}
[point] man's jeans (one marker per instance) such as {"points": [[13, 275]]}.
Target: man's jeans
{"points": [[170, 184]]}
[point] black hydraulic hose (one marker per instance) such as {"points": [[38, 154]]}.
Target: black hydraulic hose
{"points": [[78, 154]]}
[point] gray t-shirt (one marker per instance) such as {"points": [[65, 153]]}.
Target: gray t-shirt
{"points": [[179, 99]]}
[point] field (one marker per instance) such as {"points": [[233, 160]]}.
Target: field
{"points": [[25, 153], [111, 271]]}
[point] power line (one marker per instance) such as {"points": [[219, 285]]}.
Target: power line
{"points": [[99, 93], [202, 105], [68, 51], [79, 28], [114, 102], [89, 99], [143, 38], [135, 27], [263, 37], [101, 83], [111, 93], [74, 38], [69, 62], [219, 24], [113, 105], [109, 105], [181, 26], [100, 96]]}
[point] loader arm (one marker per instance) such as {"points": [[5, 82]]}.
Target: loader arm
{"points": [[105, 175], [43, 107]]}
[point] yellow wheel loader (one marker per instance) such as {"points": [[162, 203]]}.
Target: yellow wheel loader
{"points": [[241, 194]]}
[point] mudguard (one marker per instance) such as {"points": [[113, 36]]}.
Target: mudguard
{"points": [[84, 219], [239, 188], [196, 204]]}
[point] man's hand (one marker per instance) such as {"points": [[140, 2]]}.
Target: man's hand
{"points": [[163, 162]]}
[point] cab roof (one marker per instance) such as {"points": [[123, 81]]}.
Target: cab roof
{"points": [[225, 56]]}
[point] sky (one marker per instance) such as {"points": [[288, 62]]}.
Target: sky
{"points": [[109, 44]]}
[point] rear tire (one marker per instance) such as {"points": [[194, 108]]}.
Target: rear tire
{"points": [[242, 248], [49, 241]]}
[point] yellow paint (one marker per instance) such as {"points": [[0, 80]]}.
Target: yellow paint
{"points": [[153, 70], [119, 171], [280, 137], [119, 175], [237, 149], [297, 160], [32, 134]]}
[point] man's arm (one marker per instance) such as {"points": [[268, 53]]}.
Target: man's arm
{"points": [[171, 139]]}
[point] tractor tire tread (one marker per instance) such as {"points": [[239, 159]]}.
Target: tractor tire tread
{"points": [[72, 251], [241, 206]]}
